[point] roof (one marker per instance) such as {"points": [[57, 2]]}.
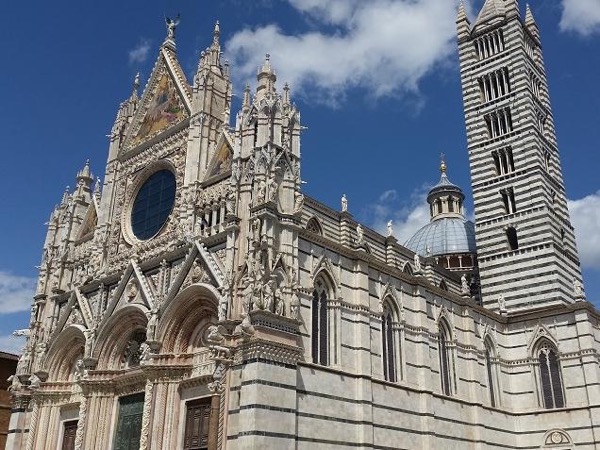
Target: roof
{"points": [[445, 236]]}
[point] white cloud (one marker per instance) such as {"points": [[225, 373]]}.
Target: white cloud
{"points": [[585, 217], [407, 216], [139, 54], [383, 46], [16, 292], [12, 344], [581, 16]]}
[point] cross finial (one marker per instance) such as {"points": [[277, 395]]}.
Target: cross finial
{"points": [[443, 166]]}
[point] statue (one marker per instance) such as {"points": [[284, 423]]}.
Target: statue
{"points": [[256, 225], [171, 25], [144, 353], [34, 381], [295, 306], [417, 261], [261, 192], [14, 382], [390, 230], [89, 342], [279, 303], [247, 294], [230, 202], [501, 303], [298, 202], [24, 361], [344, 203], [152, 323], [578, 288], [360, 236], [464, 285], [273, 186], [80, 371], [268, 296], [223, 302]]}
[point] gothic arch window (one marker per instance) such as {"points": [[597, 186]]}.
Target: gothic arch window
{"points": [[389, 347], [320, 323], [490, 369], [314, 226], [551, 388], [407, 269], [445, 357], [443, 286]]}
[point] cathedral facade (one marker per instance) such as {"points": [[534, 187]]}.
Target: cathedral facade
{"points": [[197, 299]]}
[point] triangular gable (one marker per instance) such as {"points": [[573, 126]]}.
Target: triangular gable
{"points": [[89, 223], [72, 315], [165, 103], [199, 266], [221, 161], [131, 290]]}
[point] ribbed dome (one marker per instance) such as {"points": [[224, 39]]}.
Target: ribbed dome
{"points": [[448, 235]]}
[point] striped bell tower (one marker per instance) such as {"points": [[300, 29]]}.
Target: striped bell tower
{"points": [[525, 242]]}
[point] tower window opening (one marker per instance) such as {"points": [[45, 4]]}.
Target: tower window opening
{"points": [[489, 44], [512, 238], [508, 200], [499, 123], [450, 204], [547, 159], [503, 161]]}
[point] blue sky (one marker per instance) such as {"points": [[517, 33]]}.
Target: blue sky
{"points": [[377, 84]]}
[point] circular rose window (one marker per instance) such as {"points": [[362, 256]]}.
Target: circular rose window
{"points": [[153, 204]]}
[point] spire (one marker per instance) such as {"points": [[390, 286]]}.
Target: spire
{"points": [[462, 21], [530, 24], [216, 34], [266, 78], [136, 85], [491, 9], [246, 99], [65, 196], [171, 24], [85, 174], [286, 94], [211, 57], [84, 179]]}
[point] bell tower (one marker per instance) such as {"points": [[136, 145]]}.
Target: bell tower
{"points": [[525, 241]]}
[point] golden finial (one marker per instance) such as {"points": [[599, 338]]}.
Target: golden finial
{"points": [[443, 166]]}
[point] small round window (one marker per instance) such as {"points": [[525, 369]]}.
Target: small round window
{"points": [[153, 204]]}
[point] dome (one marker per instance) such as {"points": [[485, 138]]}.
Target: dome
{"points": [[444, 236]]}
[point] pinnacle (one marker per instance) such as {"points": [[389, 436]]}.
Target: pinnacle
{"points": [[462, 13], [216, 34]]}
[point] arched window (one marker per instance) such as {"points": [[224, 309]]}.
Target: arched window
{"points": [[491, 372], [388, 345], [320, 324], [407, 269], [443, 286], [550, 378], [314, 226], [444, 351]]}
